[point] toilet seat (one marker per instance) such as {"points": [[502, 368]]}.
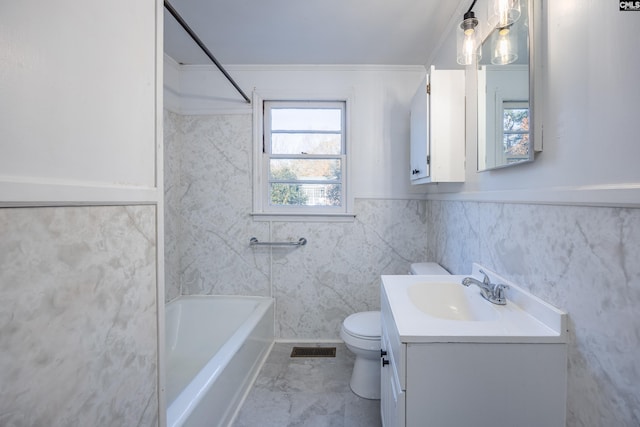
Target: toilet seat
{"points": [[358, 344], [362, 330], [365, 325]]}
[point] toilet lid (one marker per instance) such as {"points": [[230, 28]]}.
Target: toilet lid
{"points": [[365, 324]]}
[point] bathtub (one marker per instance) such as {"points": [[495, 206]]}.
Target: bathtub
{"points": [[215, 346]]}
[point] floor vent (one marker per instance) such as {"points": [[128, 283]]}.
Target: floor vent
{"points": [[313, 352]]}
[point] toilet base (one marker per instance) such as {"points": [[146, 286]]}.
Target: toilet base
{"points": [[365, 379]]}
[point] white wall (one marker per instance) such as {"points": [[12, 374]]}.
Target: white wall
{"points": [[80, 326], [378, 147], [591, 62], [78, 106]]}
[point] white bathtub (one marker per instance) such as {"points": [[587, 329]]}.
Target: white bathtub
{"points": [[214, 348]]}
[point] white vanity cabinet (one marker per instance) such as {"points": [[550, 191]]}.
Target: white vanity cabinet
{"points": [[437, 128], [455, 380], [392, 396]]}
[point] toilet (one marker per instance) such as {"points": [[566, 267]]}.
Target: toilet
{"points": [[361, 333]]}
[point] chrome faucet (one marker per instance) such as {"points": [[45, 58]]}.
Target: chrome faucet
{"points": [[492, 292]]}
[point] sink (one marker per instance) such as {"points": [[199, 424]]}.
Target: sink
{"points": [[443, 339], [439, 309], [451, 301]]}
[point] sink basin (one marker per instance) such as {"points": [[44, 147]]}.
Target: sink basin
{"points": [[439, 309], [451, 301]]}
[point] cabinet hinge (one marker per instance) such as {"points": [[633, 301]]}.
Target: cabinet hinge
{"points": [[428, 160], [429, 88]]}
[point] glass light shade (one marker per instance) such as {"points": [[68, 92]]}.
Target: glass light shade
{"points": [[468, 45], [503, 12], [505, 47]]}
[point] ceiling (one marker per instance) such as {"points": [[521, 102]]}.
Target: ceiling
{"points": [[390, 32]]}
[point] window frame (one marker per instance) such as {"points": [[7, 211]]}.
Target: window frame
{"points": [[511, 105], [262, 208]]}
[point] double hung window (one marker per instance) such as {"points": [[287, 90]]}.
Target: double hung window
{"points": [[515, 131], [304, 157]]}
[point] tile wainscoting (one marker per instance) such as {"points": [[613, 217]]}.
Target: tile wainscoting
{"points": [[78, 328], [585, 260]]}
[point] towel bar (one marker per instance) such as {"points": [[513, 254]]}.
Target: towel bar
{"points": [[254, 242]]}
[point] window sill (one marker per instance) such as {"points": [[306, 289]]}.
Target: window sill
{"points": [[304, 217]]}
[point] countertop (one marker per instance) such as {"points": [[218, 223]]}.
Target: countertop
{"points": [[524, 319]]}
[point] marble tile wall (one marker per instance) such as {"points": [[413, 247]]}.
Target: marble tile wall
{"points": [[338, 272], [78, 322], [585, 260], [214, 206], [315, 286], [172, 147]]}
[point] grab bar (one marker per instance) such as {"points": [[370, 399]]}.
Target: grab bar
{"points": [[254, 242]]}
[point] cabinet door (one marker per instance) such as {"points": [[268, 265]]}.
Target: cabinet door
{"points": [[447, 125], [392, 397], [438, 128], [419, 130], [447, 387]]}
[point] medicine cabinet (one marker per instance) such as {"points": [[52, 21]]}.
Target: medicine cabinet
{"points": [[437, 128], [509, 131]]}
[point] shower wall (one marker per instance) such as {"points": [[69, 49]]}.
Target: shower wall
{"points": [[208, 194]]}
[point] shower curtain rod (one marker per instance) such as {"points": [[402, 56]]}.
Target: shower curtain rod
{"points": [[196, 39]]}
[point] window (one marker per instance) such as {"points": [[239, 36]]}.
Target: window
{"points": [[515, 131], [303, 158]]}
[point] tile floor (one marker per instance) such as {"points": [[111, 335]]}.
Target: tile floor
{"points": [[309, 392]]}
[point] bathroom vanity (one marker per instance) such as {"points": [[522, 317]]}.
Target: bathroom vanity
{"points": [[452, 358]]}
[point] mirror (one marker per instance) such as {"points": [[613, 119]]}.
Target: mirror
{"points": [[505, 95]]}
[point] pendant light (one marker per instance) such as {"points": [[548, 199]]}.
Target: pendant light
{"points": [[468, 46], [504, 47], [503, 12]]}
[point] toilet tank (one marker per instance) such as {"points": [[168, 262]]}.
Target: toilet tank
{"points": [[427, 268]]}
